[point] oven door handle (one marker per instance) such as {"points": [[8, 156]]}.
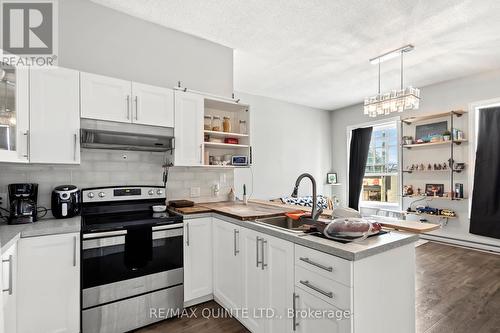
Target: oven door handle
{"points": [[118, 239]]}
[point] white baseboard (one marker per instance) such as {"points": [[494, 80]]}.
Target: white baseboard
{"points": [[199, 300], [466, 244]]}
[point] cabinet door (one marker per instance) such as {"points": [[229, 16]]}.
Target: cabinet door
{"points": [[278, 257], [197, 258], [49, 284], [188, 129], [105, 98], [14, 114], [254, 280], [54, 116], [152, 105], [228, 260], [305, 323], [9, 288]]}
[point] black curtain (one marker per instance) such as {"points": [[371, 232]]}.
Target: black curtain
{"points": [[360, 143], [485, 213]]}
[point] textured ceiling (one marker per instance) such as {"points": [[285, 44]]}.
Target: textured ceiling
{"points": [[315, 52]]}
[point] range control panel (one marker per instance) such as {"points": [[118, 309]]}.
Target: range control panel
{"points": [[122, 193]]}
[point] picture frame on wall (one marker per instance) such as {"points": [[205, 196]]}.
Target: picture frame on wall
{"points": [[331, 178], [434, 190]]}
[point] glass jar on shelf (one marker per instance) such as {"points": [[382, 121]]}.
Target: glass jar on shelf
{"points": [[216, 124], [243, 127], [207, 123], [226, 124]]}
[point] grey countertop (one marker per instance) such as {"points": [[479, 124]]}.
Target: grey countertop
{"points": [[50, 226], [349, 251]]}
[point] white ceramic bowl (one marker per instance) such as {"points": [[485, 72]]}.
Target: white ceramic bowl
{"points": [[159, 208]]}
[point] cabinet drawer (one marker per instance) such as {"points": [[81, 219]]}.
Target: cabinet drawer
{"points": [[326, 265], [330, 291]]}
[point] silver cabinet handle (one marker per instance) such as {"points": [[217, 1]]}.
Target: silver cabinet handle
{"points": [[294, 318], [306, 283], [128, 107], [258, 239], [236, 235], [262, 247], [75, 248], [187, 233], [201, 154], [10, 275], [75, 146], [136, 108], [310, 262], [28, 144]]}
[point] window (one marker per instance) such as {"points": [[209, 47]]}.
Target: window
{"points": [[380, 184]]}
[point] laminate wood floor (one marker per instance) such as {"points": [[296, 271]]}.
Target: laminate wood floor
{"points": [[457, 291]]}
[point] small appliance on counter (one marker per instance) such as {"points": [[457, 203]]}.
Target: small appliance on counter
{"points": [[23, 203], [66, 201]]}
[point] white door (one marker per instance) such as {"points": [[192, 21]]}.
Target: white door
{"points": [[278, 257], [188, 129], [197, 258], [254, 280], [228, 264], [105, 98], [54, 116], [152, 105], [9, 288], [49, 284], [326, 322], [14, 112]]}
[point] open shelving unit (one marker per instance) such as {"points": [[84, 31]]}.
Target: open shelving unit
{"points": [[236, 112], [452, 145]]}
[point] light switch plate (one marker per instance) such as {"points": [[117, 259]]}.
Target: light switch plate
{"points": [[195, 192]]}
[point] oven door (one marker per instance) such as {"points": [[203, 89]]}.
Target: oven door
{"points": [[106, 278]]}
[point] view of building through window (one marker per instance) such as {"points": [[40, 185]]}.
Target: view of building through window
{"points": [[380, 183]]}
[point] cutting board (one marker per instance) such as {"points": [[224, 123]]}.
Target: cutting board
{"points": [[191, 210], [410, 226], [241, 211]]}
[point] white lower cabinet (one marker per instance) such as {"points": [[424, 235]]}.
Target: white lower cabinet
{"points": [[228, 264], [9, 288], [197, 259], [49, 284], [268, 282], [312, 315]]}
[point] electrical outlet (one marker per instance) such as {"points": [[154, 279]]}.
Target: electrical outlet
{"points": [[195, 192], [4, 201]]}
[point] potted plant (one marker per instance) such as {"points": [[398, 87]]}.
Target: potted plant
{"points": [[407, 140], [447, 135]]}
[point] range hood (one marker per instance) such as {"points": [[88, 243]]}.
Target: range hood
{"points": [[99, 134]]}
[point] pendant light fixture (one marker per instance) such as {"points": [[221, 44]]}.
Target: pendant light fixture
{"points": [[396, 100]]}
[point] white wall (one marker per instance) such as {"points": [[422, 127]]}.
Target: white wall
{"points": [[446, 96], [97, 39], [287, 140]]}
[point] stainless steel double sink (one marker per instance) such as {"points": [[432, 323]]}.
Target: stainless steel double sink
{"points": [[287, 224]]}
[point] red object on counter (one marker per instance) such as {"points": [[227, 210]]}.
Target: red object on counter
{"points": [[233, 141]]}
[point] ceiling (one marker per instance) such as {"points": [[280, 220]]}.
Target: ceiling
{"points": [[315, 52]]}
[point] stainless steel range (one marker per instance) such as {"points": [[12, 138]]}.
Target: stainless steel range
{"points": [[132, 260]]}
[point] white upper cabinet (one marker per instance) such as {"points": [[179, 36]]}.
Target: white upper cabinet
{"points": [[105, 98], [54, 116], [188, 129], [197, 258], [49, 284], [14, 114], [152, 105]]}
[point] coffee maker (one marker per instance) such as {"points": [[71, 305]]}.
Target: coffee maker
{"points": [[23, 203]]}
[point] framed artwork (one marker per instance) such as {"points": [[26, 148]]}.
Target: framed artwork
{"points": [[331, 178], [428, 131], [434, 190]]}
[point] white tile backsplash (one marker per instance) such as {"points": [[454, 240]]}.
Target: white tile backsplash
{"points": [[108, 167]]}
